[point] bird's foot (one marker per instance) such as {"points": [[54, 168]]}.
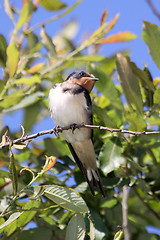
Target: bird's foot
{"points": [[58, 129], [73, 127]]}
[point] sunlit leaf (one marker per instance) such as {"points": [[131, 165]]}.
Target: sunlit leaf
{"points": [[110, 155], [76, 228], [13, 217], [50, 162], [156, 97], [8, 10], [151, 36], [66, 198], [118, 37], [52, 5], [36, 68], [110, 203], [10, 100], [118, 235], [3, 47], [137, 123], [12, 61], [1, 222], [112, 23], [26, 11], [28, 81], [89, 58], [129, 84], [47, 42], [26, 101]]}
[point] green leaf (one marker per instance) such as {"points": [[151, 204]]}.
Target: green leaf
{"points": [[26, 11], [13, 173], [28, 81], [28, 215], [33, 111], [66, 198], [106, 86], [111, 155], [129, 83], [76, 228], [1, 85], [12, 99], [4, 174], [12, 61], [48, 43], [142, 75], [109, 203], [52, 5], [1, 222], [3, 48], [39, 233], [137, 123], [101, 231], [156, 97], [89, 58], [55, 147], [26, 101], [151, 36], [12, 218]]}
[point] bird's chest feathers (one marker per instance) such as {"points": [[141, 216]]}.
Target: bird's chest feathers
{"points": [[68, 108]]}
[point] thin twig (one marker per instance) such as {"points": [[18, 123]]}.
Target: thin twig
{"points": [[153, 8], [54, 18], [82, 125], [125, 212]]}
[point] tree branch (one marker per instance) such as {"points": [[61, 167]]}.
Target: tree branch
{"points": [[60, 129], [125, 212], [153, 8]]}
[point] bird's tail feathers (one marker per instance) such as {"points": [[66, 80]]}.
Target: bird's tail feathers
{"points": [[92, 176]]}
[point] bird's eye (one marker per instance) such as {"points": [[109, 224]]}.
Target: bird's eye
{"points": [[82, 74]]}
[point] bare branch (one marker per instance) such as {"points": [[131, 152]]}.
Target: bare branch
{"points": [[82, 125], [153, 8], [125, 212]]}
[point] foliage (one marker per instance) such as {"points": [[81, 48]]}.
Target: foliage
{"points": [[32, 62]]}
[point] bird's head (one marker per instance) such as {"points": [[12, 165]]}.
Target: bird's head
{"points": [[82, 78]]}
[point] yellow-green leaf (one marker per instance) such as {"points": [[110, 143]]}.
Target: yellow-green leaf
{"points": [[29, 81], [118, 37], [26, 11], [12, 58], [11, 100], [52, 5]]}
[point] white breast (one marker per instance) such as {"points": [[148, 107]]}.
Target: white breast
{"points": [[66, 109]]}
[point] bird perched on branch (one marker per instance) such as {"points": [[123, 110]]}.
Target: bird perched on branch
{"points": [[70, 104]]}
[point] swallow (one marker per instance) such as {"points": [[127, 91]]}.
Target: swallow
{"points": [[70, 104]]}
